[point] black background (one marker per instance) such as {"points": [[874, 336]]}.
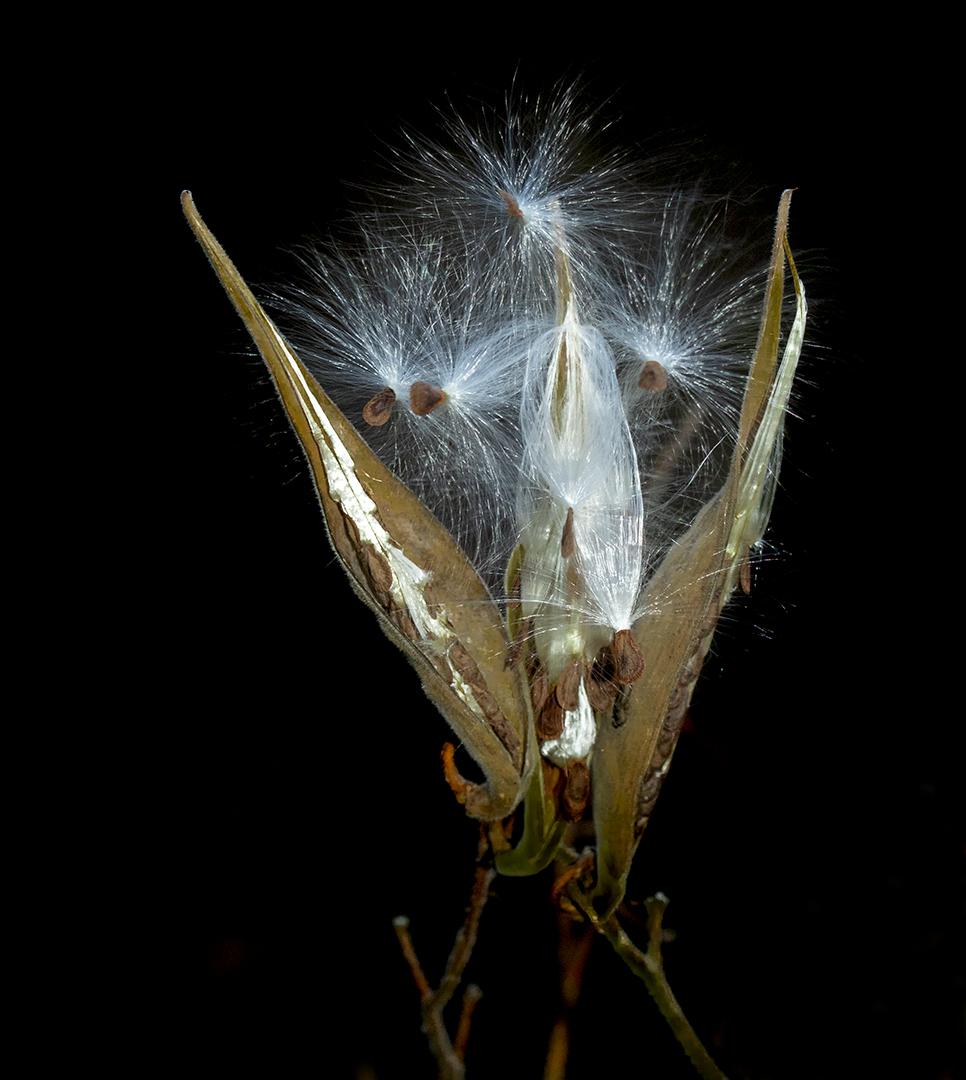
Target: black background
{"points": [[806, 835]]}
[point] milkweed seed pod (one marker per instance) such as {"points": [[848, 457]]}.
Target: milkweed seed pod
{"points": [[543, 413]]}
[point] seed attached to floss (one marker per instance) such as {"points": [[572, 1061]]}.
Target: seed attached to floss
{"points": [[653, 377], [601, 689], [512, 206], [627, 659], [545, 423], [568, 546], [379, 408], [424, 397]]}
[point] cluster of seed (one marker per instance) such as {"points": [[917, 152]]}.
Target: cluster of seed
{"points": [[510, 286]]}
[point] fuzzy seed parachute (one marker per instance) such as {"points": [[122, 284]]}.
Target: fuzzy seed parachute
{"points": [[544, 413]]}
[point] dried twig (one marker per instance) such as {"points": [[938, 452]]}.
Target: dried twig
{"points": [[471, 998], [449, 1053], [401, 925], [579, 866], [649, 967]]}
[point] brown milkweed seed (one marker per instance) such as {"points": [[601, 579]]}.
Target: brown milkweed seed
{"points": [[653, 377], [567, 543], [568, 685], [601, 689], [627, 659], [379, 408], [512, 206], [424, 397], [576, 792], [550, 721], [378, 572], [539, 689]]}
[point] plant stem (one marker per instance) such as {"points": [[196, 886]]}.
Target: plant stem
{"points": [[649, 967], [449, 1053], [576, 941]]}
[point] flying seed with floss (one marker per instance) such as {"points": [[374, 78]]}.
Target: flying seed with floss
{"points": [[512, 206], [424, 397], [653, 377]]}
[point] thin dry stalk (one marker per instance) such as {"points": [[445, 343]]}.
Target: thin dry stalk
{"points": [[574, 951], [649, 967], [449, 1053]]}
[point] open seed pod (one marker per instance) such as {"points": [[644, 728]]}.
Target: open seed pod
{"points": [[404, 565], [687, 593], [572, 695]]}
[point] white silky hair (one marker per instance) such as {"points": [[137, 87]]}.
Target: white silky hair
{"points": [[402, 309], [578, 459], [455, 283], [692, 304], [508, 182]]}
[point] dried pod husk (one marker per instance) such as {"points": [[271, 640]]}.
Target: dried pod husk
{"points": [[392, 547], [686, 595]]}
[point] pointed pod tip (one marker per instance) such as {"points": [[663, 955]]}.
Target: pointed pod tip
{"points": [[194, 218], [784, 205]]}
